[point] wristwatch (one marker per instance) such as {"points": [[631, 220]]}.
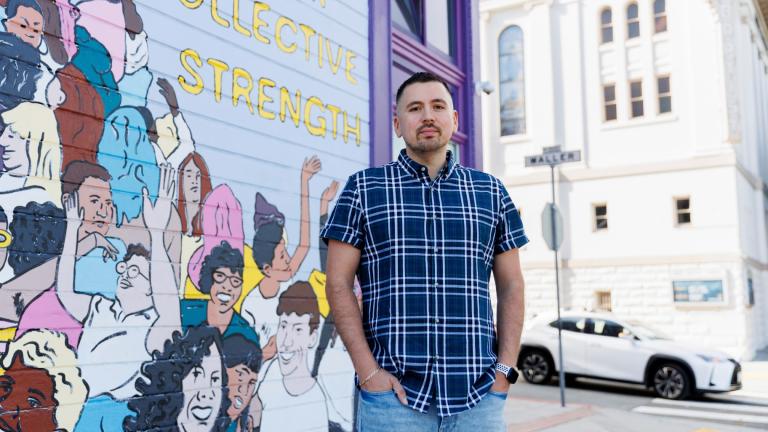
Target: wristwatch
{"points": [[508, 372]]}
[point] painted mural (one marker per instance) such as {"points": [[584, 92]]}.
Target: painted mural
{"points": [[165, 169]]}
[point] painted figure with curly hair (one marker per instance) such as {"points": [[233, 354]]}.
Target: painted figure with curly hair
{"points": [[41, 389], [184, 387], [221, 277]]}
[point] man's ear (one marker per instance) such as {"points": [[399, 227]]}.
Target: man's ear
{"points": [[266, 270], [396, 125], [313, 337]]}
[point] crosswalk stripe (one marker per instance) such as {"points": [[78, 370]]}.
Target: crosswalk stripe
{"points": [[752, 409], [703, 415]]}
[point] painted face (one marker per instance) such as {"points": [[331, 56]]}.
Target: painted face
{"points": [[425, 117], [281, 262], [242, 386], [294, 340], [226, 288], [202, 394], [96, 202], [192, 183], [27, 25], [15, 158], [26, 399], [133, 283]]}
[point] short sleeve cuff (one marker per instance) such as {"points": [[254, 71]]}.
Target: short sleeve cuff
{"points": [[512, 242], [342, 235]]}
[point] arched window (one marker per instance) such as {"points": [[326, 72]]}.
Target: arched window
{"points": [[633, 21], [511, 81], [660, 15], [606, 26]]}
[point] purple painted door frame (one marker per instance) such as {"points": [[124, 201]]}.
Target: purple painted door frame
{"points": [[390, 48]]}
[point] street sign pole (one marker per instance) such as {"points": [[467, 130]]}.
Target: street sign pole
{"points": [[552, 156], [561, 376]]}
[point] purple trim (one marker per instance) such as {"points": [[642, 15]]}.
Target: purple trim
{"points": [[380, 81], [404, 44], [474, 104]]}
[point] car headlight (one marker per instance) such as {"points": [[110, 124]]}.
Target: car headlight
{"points": [[710, 359]]}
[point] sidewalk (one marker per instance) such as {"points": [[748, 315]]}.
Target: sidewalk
{"points": [[530, 415]]}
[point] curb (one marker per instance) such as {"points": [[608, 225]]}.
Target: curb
{"points": [[577, 411]]}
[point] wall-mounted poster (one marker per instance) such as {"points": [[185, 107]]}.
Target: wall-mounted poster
{"points": [[698, 291]]}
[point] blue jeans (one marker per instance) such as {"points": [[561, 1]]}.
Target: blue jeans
{"points": [[383, 412]]}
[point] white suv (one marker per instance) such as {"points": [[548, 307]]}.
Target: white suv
{"points": [[603, 346]]}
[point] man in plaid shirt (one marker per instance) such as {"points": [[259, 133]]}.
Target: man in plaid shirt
{"points": [[423, 234]]}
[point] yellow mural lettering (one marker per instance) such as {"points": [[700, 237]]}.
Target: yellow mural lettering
{"points": [[355, 130], [215, 14], [308, 33], [263, 98], [239, 90], [320, 51], [348, 66], [316, 130], [192, 4], [334, 119], [219, 67], [258, 8], [197, 87], [287, 107], [337, 63], [236, 20], [283, 22]]}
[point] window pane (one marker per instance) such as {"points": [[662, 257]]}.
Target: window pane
{"points": [[610, 112], [407, 15], [632, 11], [569, 324], [607, 35], [637, 109], [661, 24], [663, 85], [439, 17], [683, 218], [601, 210], [511, 82], [602, 224], [665, 104], [633, 30], [659, 6], [606, 16], [636, 89], [609, 93], [683, 204]]}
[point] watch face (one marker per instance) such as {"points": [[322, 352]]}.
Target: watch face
{"points": [[512, 376]]}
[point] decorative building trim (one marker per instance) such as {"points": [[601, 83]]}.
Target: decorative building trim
{"points": [[575, 264]]}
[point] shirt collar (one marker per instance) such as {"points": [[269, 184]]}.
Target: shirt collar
{"points": [[420, 171]]}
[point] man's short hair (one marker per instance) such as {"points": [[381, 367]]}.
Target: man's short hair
{"points": [[76, 172], [13, 7], [136, 250], [3, 216], [19, 68], [300, 299], [420, 77]]}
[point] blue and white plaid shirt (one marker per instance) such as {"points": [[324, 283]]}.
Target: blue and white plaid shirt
{"points": [[427, 255]]}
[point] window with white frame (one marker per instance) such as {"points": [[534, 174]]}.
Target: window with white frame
{"points": [[636, 98], [665, 94], [511, 81], [683, 211], [600, 217], [609, 102], [633, 21], [606, 26], [660, 16]]}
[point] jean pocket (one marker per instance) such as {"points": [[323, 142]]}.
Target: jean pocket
{"points": [[375, 395], [500, 395]]}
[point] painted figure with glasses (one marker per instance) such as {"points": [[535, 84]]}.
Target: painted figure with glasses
{"points": [[221, 277], [139, 320]]}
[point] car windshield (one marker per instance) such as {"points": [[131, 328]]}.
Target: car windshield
{"points": [[647, 332]]}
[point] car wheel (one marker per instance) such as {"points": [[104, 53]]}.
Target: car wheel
{"points": [[537, 367], [671, 381]]}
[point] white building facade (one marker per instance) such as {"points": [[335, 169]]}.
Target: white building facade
{"points": [[665, 217]]}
